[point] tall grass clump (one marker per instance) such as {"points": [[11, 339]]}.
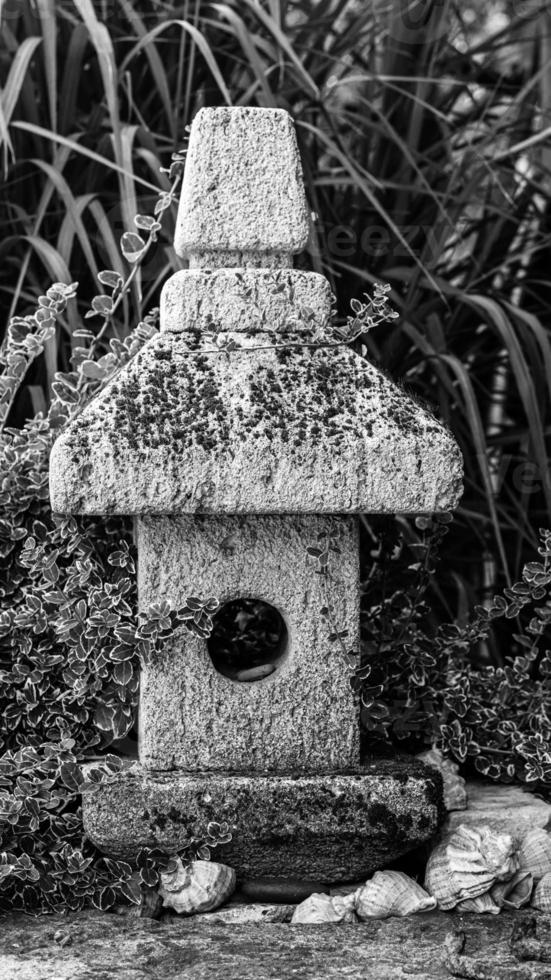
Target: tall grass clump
{"points": [[424, 129]]}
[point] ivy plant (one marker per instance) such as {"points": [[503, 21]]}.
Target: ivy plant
{"points": [[422, 683]]}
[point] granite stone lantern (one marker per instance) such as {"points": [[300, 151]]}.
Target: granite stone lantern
{"points": [[238, 442]]}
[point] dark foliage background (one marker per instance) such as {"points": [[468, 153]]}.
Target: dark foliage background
{"points": [[423, 129]]}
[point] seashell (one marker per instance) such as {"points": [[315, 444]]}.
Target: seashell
{"points": [[325, 908], [515, 893], [391, 893], [541, 899], [199, 886], [534, 853], [482, 903], [467, 863], [455, 787]]}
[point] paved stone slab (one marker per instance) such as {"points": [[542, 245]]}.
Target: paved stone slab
{"points": [[508, 809], [185, 428], [243, 188], [111, 947], [333, 827], [303, 717]]}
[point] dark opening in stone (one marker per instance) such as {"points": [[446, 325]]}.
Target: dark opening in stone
{"points": [[248, 640]]}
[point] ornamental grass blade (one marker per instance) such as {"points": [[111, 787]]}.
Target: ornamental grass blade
{"points": [[49, 27], [496, 317], [156, 65], [103, 46], [201, 43], [71, 143], [248, 44]]}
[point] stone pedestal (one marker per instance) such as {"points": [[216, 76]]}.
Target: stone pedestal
{"points": [[329, 827], [240, 437]]}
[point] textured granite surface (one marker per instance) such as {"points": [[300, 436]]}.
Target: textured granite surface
{"points": [[301, 718], [112, 947], [245, 301], [243, 188], [216, 415], [186, 428], [331, 827]]}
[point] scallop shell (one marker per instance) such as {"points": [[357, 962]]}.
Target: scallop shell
{"points": [[515, 893], [534, 853], [482, 903], [391, 893], [324, 908], [455, 787], [467, 863], [541, 899], [199, 886]]}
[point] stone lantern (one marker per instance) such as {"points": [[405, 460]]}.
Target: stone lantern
{"points": [[238, 442]]}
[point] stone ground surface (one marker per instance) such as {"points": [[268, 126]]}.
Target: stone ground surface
{"points": [[111, 947], [508, 809]]}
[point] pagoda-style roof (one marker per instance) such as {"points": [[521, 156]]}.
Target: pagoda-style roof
{"points": [[243, 403], [291, 430]]}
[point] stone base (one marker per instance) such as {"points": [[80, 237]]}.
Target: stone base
{"points": [[331, 827]]}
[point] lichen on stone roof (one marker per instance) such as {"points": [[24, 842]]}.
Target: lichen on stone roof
{"points": [[187, 428], [278, 423]]}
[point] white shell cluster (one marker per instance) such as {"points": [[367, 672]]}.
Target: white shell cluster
{"points": [[467, 863], [472, 869], [476, 869], [386, 893], [199, 886]]}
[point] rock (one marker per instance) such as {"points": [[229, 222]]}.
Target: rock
{"points": [[238, 913], [455, 791], [329, 827], [531, 939], [199, 948], [270, 889], [507, 809]]}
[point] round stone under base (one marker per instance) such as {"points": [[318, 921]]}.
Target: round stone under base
{"points": [[330, 827]]}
